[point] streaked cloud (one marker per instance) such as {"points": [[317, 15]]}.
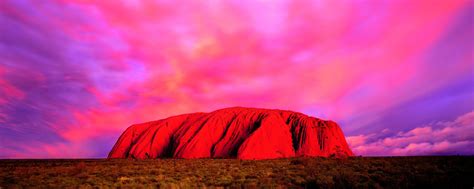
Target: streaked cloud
{"points": [[75, 74]]}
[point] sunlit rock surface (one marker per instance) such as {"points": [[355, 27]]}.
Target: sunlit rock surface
{"points": [[244, 133]]}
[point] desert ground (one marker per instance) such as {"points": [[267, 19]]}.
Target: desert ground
{"points": [[354, 172]]}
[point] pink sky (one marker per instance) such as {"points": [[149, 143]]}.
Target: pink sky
{"points": [[74, 74]]}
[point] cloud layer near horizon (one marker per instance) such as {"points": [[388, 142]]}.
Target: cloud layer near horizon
{"points": [[440, 138], [75, 74]]}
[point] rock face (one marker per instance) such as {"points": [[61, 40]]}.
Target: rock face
{"points": [[244, 133]]}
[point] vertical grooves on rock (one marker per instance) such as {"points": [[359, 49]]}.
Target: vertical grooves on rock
{"points": [[295, 137], [153, 139], [178, 148], [223, 134], [321, 136], [168, 151]]}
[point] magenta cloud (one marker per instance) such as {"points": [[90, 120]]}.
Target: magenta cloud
{"points": [[74, 74]]}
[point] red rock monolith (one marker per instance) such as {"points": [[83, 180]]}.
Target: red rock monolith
{"points": [[244, 133]]}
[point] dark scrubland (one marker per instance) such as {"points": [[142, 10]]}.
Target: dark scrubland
{"points": [[353, 172]]}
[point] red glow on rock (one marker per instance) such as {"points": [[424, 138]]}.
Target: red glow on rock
{"points": [[244, 133]]}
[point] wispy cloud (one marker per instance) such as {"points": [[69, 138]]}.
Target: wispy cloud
{"points": [[77, 73]]}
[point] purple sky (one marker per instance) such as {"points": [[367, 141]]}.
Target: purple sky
{"points": [[398, 76]]}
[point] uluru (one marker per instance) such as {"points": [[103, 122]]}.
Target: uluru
{"points": [[243, 133]]}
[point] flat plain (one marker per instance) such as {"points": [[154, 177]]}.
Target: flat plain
{"points": [[354, 172]]}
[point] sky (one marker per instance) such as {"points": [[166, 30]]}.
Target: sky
{"points": [[398, 76]]}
